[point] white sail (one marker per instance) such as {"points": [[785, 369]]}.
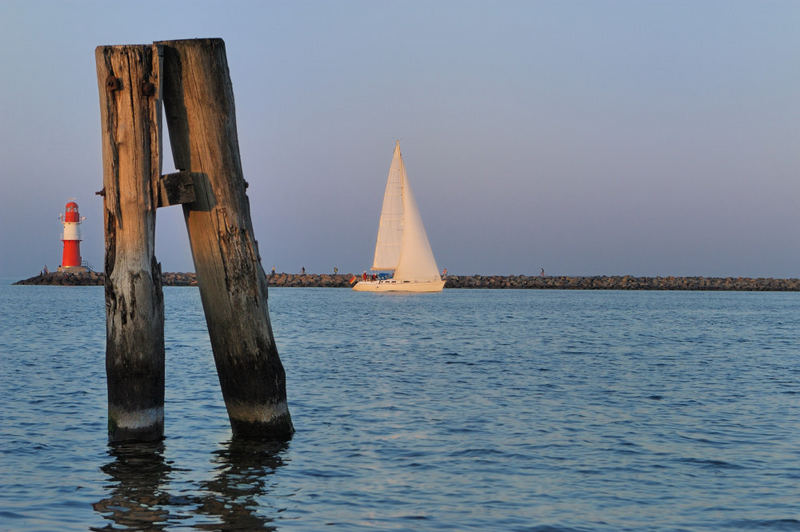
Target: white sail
{"points": [[416, 256], [402, 244], [390, 227]]}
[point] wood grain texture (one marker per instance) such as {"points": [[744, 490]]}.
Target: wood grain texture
{"points": [[199, 107], [128, 79]]}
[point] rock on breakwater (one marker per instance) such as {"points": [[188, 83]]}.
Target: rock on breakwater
{"points": [[329, 280], [623, 282], [601, 282], [98, 278], [65, 279], [189, 279]]}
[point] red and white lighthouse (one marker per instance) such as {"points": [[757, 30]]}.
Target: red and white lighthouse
{"points": [[71, 237]]}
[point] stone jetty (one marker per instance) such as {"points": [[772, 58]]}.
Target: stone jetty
{"points": [[98, 278], [623, 282], [602, 282]]}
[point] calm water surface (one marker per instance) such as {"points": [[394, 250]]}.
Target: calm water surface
{"points": [[466, 410]]}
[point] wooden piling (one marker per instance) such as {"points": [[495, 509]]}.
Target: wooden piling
{"points": [[129, 81], [199, 107]]}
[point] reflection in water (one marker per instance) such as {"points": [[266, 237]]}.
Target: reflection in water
{"points": [[139, 497], [243, 470]]}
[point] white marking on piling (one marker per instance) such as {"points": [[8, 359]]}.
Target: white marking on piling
{"points": [[257, 413], [138, 419]]}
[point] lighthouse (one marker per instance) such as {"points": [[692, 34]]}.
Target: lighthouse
{"points": [[71, 237]]}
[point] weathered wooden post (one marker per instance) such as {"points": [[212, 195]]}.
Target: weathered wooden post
{"points": [[199, 107], [129, 81]]}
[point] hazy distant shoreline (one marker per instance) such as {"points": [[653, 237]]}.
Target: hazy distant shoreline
{"points": [[616, 282]]}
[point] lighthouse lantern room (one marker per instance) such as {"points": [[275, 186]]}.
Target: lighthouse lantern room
{"points": [[71, 237]]}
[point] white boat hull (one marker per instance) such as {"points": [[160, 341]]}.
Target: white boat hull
{"points": [[390, 285]]}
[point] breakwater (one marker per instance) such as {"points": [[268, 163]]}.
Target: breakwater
{"points": [[624, 282], [600, 282]]}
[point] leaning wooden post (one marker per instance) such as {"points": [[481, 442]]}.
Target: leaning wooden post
{"points": [[199, 107], [128, 80]]}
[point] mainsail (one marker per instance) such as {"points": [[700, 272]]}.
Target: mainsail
{"points": [[390, 227], [402, 243]]}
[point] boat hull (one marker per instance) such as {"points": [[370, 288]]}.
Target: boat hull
{"points": [[390, 285]]}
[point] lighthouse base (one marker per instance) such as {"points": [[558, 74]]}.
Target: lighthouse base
{"points": [[73, 269]]}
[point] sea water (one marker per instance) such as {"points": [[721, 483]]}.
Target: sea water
{"points": [[464, 410]]}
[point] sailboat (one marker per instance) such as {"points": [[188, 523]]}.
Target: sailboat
{"points": [[402, 246]]}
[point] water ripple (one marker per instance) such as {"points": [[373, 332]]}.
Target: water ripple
{"points": [[467, 410]]}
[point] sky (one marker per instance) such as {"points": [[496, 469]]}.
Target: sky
{"points": [[582, 137]]}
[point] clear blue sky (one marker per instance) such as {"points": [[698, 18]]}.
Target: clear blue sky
{"points": [[585, 137]]}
